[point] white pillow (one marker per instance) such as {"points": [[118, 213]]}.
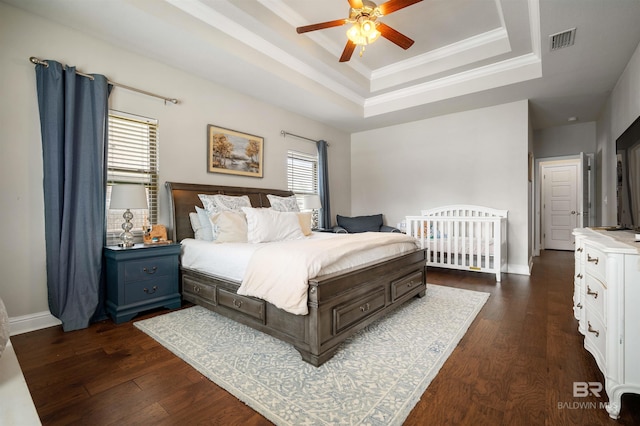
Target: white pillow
{"points": [[231, 226], [231, 202], [267, 225], [207, 232], [283, 204]]}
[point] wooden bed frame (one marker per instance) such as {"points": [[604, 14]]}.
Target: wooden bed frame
{"points": [[478, 237], [340, 304]]}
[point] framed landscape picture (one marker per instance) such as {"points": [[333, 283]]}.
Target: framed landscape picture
{"points": [[233, 152]]}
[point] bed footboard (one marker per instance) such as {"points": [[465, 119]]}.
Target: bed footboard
{"points": [[340, 304], [465, 237]]}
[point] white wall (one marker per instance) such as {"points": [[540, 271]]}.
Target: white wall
{"points": [[473, 157], [621, 110], [182, 137]]}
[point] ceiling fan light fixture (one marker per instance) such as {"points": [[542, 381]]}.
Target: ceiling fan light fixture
{"points": [[363, 33]]}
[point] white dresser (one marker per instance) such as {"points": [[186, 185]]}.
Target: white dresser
{"points": [[606, 303]]}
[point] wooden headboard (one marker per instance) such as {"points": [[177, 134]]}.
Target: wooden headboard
{"points": [[183, 197]]}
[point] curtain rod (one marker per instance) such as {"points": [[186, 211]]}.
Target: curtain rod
{"points": [[285, 134], [37, 61]]}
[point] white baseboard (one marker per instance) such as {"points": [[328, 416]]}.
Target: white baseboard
{"points": [[518, 269], [32, 322]]}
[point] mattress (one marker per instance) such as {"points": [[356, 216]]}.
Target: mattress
{"points": [[230, 260]]}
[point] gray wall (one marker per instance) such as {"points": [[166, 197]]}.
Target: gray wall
{"points": [[565, 140], [473, 157]]}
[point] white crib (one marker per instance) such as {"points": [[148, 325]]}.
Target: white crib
{"points": [[471, 238]]}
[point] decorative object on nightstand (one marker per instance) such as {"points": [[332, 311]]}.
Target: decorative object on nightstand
{"points": [[157, 235], [128, 196], [312, 203], [140, 278]]}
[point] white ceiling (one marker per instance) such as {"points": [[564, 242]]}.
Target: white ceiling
{"points": [[467, 53]]}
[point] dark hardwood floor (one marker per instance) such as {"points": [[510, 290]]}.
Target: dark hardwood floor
{"points": [[515, 366]]}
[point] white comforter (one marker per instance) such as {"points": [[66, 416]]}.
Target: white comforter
{"points": [[279, 272]]}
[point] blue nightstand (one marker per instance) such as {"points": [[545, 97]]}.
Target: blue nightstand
{"points": [[140, 278]]}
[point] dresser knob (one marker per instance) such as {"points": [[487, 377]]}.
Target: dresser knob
{"points": [[579, 276], [153, 290], [592, 330], [592, 293], [150, 271], [579, 306], [365, 307], [237, 303], [579, 250]]}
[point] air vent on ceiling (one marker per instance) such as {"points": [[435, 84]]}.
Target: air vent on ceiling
{"points": [[562, 39]]}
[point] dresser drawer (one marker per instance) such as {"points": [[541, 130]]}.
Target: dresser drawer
{"points": [[196, 288], [254, 308], [594, 294], [595, 263], [405, 284], [348, 314], [140, 291], [151, 268], [595, 338]]}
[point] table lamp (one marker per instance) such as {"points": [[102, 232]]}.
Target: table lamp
{"points": [[311, 202], [128, 196]]}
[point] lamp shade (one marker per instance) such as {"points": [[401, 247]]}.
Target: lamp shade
{"points": [[128, 196], [311, 202]]}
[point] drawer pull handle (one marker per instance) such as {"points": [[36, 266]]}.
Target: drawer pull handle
{"points": [[591, 330], [579, 305], [153, 290], [150, 271], [365, 307], [196, 289], [592, 293], [579, 276], [410, 284], [592, 259], [237, 303], [579, 250]]}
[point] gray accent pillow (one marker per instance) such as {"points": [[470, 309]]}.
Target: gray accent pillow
{"points": [[357, 224]]}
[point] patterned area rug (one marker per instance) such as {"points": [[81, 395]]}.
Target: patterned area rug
{"points": [[355, 387]]}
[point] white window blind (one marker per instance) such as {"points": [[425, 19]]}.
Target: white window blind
{"points": [[302, 173], [132, 158]]}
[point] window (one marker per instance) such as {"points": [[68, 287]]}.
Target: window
{"points": [[132, 157], [302, 177], [302, 174]]}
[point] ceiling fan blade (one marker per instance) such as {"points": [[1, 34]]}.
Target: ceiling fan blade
{"points": [[321, 26], [356, 4], [394, 36], [393, 5], [348, 51]]}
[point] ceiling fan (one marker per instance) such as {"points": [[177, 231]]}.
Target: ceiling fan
{"points": [[366, 29]]}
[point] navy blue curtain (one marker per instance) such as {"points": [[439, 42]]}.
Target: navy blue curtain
{"points": [[323, 185], [73, 120]]}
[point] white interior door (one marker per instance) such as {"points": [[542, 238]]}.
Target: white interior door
{"points": [[560, 205]]}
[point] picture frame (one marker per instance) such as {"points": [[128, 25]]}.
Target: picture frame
{"points": [[233, 152]]}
